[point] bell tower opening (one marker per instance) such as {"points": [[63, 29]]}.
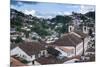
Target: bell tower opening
{"points": [[70, 28]]}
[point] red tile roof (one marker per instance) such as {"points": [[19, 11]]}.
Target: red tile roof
{"points": [[67, 40], [32, 48], [15, 62], [83, 35]]}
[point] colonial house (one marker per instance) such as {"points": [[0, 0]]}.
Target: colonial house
{"points": [[29, 51], [85, 38], [69, 45], [81, 33], [73, 43]]}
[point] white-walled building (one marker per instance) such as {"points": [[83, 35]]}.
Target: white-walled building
{"points": [[29, 51], [71, 44]]}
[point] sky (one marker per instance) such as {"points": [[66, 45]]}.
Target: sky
{"points": [[49, 10]]}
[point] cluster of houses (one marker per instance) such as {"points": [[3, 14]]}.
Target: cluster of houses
{"points": [[68, 48]]}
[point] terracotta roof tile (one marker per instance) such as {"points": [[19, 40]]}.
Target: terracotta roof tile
{"points": [[15, 62], [83, 35], [67, 40], [32, 47]]}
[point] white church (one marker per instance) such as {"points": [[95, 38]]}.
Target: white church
{"points": [[74, 43]]}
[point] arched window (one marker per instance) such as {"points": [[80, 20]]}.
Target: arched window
{"points": [[85, 28], [70, 29]]}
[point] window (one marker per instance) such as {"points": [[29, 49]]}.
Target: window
{"points": [[85, 28], [24, 56], [70, 28]]}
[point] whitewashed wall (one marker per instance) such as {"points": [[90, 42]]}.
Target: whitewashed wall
{"points": [[86, 40], [67, 54], [19, 52], [79, 49], [36, 63]]}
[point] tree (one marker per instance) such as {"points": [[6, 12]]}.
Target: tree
{"points": [[18, 40], [91, 15]]}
